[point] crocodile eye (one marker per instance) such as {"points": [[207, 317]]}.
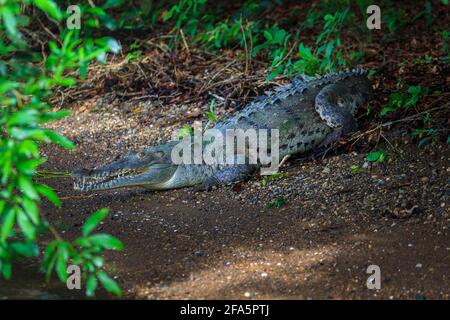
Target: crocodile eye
{"points": [[141, 154]]}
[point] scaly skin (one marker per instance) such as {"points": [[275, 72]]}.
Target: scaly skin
{"points": [[309, 113]]}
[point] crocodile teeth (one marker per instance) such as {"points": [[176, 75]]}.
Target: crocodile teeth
{"points": [[105, 179]]}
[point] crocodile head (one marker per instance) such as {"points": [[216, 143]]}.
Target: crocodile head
{"points": [[151, 168]]}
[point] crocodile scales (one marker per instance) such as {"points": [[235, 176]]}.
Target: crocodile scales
{"points": [[309, 112]]}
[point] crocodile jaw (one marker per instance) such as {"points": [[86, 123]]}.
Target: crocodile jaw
{"points": [[88, 180]]}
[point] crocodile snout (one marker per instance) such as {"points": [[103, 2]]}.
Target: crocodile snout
{"points": [[82, 172]]}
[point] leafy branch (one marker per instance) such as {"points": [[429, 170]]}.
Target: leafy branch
{"points": [[26, 80]]}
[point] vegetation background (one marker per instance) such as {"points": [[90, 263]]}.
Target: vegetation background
{"points": [[275, 40]]}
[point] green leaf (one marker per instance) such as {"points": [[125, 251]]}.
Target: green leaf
{"points": [[61, 260], [28, 133], [305, 52], [10, 20], [113, 45], [28, 167], [6, 170], [83, 242], [355, 169], [59, 139], [23, 117], [109, 22], [8, 219], [267, 35], [277, 203], [49, 260], [49, 7], [98, 261], [49, 251], [210, 114], [263, 182], [25, 249], [31, 209], [25, 224], [112, 4], [106, 241], [387, 110], [109, 284], [49, 194], [29, 148], [92, 222], [6, 269], [423, 141], [91, 285], [55, 115], [65, 82], [328, 17], [376, 156], [185, 131], [279, 36], [26, 186]]}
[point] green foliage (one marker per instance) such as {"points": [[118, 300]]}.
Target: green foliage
{"points": [[185, 131], [134, 54], [273, 177], [212, 118], [87, 252], [277, 203], [27, 78], [376, 156], [426, 135], [276, 44], [425, 59], [395, 19], [328, 54], [186, 14], [356, 169], [399, 100]]}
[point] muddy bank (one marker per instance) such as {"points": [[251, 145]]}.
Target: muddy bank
{"points": [[227, 244]]}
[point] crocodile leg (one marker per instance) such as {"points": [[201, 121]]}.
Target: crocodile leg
{"points": [[227, 176], [331, 108]]}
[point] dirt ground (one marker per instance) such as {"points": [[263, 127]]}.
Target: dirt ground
{"points": [[225, 244]]}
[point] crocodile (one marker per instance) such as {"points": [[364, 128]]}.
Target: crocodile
{"points": [[309, 113]]}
